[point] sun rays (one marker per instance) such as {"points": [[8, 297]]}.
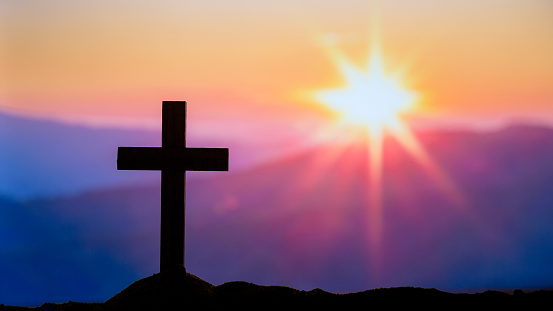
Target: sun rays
{"points": [[374, 101]]}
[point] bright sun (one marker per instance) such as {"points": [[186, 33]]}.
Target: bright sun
{"points": [[371, 98], [375, 102]]}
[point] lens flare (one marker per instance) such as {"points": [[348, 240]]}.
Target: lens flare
{"points": [[370, 98], [375, 101]]}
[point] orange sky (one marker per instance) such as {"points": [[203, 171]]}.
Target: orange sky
{"points": [[113, 62]]}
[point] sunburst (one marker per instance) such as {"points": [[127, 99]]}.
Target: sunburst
{"points": [[371, 98], [376, 101]]}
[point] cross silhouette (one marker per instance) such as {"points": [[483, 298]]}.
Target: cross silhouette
{"points": [[173, 159]]}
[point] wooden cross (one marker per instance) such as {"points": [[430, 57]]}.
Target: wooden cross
{"points": [[173, 159]]}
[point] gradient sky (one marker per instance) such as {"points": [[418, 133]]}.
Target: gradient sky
{"points": [[249, 71], [113, 62]]}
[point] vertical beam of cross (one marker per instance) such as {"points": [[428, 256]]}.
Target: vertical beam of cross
{"points": [[173, 182], [173, 159]]}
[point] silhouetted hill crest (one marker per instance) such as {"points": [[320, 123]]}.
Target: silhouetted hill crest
{"points": [[178, 290]]}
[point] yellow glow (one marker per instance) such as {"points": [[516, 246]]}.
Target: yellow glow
{"points": [[375, 101], [370, 98]]}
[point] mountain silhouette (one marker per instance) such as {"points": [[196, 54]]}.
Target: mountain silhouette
{"points": [[301, 222]]}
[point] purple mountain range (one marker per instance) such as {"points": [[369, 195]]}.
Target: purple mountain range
{"points": [[301, 221]]}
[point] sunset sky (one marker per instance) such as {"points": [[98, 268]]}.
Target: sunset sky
{"points": [[276, 82], [247, 62]]}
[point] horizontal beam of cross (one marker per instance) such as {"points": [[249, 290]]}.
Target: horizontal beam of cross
{"points": [[163, 158]]}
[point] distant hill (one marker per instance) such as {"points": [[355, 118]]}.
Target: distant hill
{"points": [[41, 158], [303, 222], [44, 158]]}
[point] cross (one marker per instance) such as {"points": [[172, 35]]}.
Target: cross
{"points": [[173, 159]]}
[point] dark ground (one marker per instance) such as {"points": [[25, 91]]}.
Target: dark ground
{"points": [[180, 290]]}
